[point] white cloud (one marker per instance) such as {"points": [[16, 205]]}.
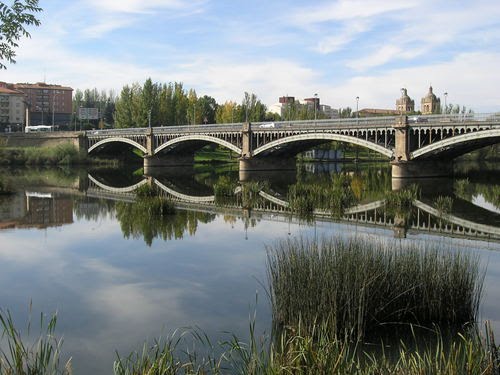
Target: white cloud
{"points": [[469, 79], [347, 10], [335, 42], [135, 6], [268, 78]]}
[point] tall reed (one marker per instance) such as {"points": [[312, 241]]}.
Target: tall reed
{"points": [[355, 286], [295, 351], [20, 356]]}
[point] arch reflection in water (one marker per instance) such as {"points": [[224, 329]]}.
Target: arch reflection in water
{"points": [[252, 200]]}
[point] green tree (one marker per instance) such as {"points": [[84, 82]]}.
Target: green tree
{"points": [[345, 112], [228, 112], [13, 22], [207, 107], [123, 114], [149, 104], [165, 111], [193, 114], [180, 105], [253, 109]]}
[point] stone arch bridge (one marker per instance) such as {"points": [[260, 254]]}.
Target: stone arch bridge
{"points": [[423, 146]]}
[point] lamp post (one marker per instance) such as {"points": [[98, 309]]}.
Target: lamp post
{"points": [[445, 97], [357, 108], [149, 119], [315, 105]]}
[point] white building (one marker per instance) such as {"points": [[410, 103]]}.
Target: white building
{"points": [[12, 109]]}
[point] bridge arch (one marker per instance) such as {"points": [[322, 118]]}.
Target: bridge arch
{"points": [[324, 136], [119, 140], [468, 141], [126, 189], [198, 137], [184, 197]]}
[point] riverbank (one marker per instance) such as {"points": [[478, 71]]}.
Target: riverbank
{"points": [[63, 154]]}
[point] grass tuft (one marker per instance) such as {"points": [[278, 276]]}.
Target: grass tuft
{"points": [[356, 286]]}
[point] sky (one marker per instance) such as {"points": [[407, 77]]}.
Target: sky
{"points": [[338, 49]]}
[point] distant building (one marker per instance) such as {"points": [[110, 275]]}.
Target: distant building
{"points": [[286, 102], [12, 108], [328, 111], [371, 112], [313, 102], [47, 104], [286, 99], [430, 104], [405, 104]]}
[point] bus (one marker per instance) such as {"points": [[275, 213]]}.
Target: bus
{"points": [[39, 128]]}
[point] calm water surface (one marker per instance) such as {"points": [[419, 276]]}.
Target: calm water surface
{"points": [[68, 244]]}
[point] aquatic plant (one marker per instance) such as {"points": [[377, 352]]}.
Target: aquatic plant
{"points": [[401, 200], [333, 195], [319, 351], [19, 356], [355, 286], [444, 206]]}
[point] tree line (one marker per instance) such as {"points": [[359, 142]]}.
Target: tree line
{"points": [[168, 104]]}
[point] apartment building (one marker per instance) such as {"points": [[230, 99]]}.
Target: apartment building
{"points": [[12, 110], [47, 104]]}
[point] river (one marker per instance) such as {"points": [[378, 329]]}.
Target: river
{"points": [[71, 242]]}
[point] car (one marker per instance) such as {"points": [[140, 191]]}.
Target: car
{"points": [[416, 119], [270, 125]]}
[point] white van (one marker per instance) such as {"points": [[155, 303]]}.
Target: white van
{"points": [[270, 125], [39, 128]]}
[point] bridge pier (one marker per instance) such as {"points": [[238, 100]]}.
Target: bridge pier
{"points": [[421, 169], [156, 161], [267, 164]]}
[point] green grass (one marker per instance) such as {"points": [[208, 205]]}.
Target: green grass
{"points": [[215, 155], [357, 286]]}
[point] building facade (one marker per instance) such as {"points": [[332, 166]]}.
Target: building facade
{"points": [[430, 104], [287, 104], [405, 104], [47, 104], [12, 109]]}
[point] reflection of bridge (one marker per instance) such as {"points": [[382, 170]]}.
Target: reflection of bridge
{"points": [[426, 219], [436, 137]]}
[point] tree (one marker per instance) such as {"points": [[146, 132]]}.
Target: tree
{"points": [[13, 22], [228, 112], [123, 113], [253, 109], [207, 107]]}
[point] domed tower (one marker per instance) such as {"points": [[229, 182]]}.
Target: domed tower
{"points": [[430, 103], [405, 104]]}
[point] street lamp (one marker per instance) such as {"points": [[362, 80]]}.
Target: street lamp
{"points": [[149, 119], [357, 107], [445, 97], [315, 105]]}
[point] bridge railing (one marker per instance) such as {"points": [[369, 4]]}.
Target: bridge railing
{"points": [[361, 122]]}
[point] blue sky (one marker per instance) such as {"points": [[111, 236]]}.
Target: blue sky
{"points": [[338, 49]]}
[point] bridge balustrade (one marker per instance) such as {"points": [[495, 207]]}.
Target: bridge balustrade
{"points": [[420, 138]]}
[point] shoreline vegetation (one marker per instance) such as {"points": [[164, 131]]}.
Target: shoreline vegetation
{"points": [[326, 296], [60, 155]]}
